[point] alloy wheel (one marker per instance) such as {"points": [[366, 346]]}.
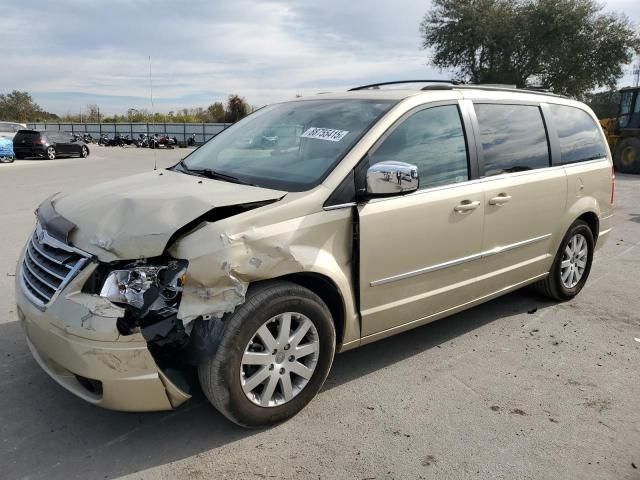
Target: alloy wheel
{"points": [[51, 153], [280, 359], [574, 260]]}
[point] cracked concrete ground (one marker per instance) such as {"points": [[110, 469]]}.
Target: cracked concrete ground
{"points": [[517, 388]]}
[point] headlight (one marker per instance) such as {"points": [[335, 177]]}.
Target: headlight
{"points": [[146, 287]]}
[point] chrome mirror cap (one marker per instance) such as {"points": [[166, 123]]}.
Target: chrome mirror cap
{"points": [[388, 178]]}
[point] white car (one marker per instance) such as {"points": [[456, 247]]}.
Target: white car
{"points": [[9, 129]]}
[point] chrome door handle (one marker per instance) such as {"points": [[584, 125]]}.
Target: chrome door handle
{"points": [[466, 206], [500, 199]]}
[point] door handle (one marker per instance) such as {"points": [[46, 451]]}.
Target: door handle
{"points": [[466, 206], [500, 199]]}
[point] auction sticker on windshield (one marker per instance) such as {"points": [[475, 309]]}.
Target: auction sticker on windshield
{"points": [[325, 134]]}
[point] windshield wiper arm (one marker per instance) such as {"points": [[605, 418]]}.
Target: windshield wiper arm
{"points": [[214, 174]]}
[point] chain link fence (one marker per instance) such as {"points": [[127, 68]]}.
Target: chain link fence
{"points": [[182, 131]]}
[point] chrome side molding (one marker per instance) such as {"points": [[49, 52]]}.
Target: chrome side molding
{"points": [[458, 261]]}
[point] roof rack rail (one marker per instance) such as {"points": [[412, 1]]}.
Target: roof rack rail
{"points": [[399, 82], [495, 88], [491, 88]]}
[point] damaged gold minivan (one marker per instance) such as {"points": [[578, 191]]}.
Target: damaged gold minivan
{"points": [[311, 227]]}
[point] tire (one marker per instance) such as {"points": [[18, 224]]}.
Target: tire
{"points": [[226, 375], [84, 151], [554, 285], [627, 156], [6, 159], [51, 153]]}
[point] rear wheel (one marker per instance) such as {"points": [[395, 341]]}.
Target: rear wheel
{"points": [[572, 264], [51, 153], [6, 159], [627, 156], [275, 352]]}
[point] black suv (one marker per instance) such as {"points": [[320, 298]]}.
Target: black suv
{"points": [[32, 143]]}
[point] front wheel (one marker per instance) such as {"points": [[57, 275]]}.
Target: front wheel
{"points": [[51, 153], [6, 159], [84, 152], [275, 352], [572, 264]]}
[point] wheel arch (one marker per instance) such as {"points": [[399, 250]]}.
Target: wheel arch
{"points": [[328, 291], [591, 219]]}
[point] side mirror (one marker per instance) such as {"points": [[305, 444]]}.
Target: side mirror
{"points": [[392, 178]]}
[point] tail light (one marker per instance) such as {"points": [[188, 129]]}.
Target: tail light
{"points": [[40, 141], [613, 183]]}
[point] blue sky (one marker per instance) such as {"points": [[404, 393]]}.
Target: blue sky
{"points": [[83, 51]]}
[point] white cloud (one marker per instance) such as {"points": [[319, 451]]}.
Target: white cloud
{"points": [[202, 50]]}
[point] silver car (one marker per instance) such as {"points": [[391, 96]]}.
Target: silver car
{"points": [[9, 129]]}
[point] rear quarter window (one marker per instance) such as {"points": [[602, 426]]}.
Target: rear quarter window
{"points": [[579, 136], [514, 138]]}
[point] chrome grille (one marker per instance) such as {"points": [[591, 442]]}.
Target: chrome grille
{"points": [[48, 266]]}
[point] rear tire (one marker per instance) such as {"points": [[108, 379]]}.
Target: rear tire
{"points": [[571, 267], [226, 377], [627, 156], [6, 159], [51, 153]]}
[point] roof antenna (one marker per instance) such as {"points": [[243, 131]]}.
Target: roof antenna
{"points": [[155, 158]]}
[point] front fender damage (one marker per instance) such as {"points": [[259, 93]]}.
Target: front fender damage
{"points": [[217, 282]]}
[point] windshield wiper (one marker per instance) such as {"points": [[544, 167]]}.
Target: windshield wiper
{"points": [[213, 174]]}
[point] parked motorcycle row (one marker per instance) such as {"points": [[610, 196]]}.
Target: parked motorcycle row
{"points": [[143, 141]]}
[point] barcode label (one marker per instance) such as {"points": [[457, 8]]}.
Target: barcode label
{"points": [[325, 134]]}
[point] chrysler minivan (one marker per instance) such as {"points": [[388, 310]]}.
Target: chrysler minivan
{"points": [[367, 213]]}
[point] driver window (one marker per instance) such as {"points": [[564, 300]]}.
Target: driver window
{"points": [[433, 140]]}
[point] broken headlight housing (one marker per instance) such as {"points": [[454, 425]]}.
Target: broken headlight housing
{"points": [[147, 287]]}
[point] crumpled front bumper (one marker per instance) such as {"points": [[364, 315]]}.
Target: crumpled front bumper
{"points": [[76, 341]]}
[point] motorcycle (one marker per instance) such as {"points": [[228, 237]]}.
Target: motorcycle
{"points": [[191, 141], [143, 141], [105, 140], [158, 141], [123, 140]]}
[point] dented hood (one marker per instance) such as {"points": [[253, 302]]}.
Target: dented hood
{"points": [[136, 216]]}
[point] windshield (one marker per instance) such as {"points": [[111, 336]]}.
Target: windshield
{"points": [[288, 146]]}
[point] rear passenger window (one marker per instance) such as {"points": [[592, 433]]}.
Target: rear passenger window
{"points": [[433, 140], [513, 138], [579, 136]]}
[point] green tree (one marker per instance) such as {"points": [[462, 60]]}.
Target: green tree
{"points": [[571, 45], [604, 104], [20, 107], [215, 112], [236, 109]]}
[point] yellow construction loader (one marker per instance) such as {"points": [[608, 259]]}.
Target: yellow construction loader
{"points": [[623, 132]]}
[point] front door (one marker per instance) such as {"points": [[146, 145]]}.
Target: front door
{"points": [[419, 253]]}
